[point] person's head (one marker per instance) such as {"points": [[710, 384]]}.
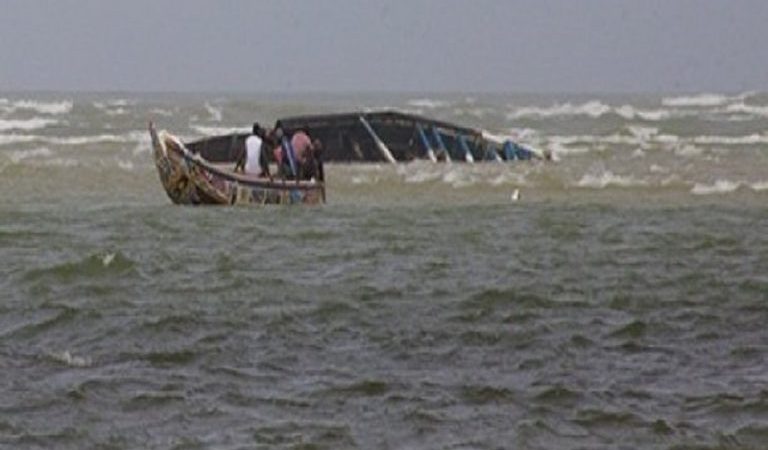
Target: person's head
{"points": [[257, 129], [317, 147], [278, 133]]}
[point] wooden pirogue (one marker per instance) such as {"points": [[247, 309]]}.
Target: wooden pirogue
{"points": [[189, 178]]}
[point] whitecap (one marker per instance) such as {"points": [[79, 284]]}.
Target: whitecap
{"points": [[217, 131], [215, 112], [26, 125], [642, 133], [6, 139], [759, 186], [732, 140], [701, 100], [689, 150], [133, 136], [719, 187], [750, 110], [630, 112], [592, 109], [667, 139], [67, 358], [557, 148], [608, 178], [422, 175], [427, 103], [107, 259], [50, 108], [457, 178]]}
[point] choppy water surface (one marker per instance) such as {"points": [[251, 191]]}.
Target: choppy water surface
{"points": [[620, 303]]}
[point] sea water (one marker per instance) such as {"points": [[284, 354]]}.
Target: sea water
{"points": [[616, 297]]}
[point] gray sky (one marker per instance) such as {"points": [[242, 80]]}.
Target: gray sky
{"points": [[378, 45]]}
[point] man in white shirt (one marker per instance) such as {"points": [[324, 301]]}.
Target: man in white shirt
{"points": [[256, 162]]}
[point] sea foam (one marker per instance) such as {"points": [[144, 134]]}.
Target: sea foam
{"points": [[216, 113], [719, 187], [608, 178], [701, 100], [592, 109], [427, 103], [50, 108], [752, 110], [215, 131], [26, 125]]}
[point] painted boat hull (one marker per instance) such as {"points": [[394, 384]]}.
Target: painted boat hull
{"points": [[189, 179]]}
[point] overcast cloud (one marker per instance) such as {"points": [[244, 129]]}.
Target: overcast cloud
{"points": [[369, 45]]}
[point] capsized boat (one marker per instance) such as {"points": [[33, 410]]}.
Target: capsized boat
{"points": [[383, 136], [202, 172], [394, 136]]}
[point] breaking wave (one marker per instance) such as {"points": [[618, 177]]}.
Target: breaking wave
{"points": [[592, 109], [696, 100], [427, 103], [719, 187], [608, 178], [752, 110], [50, 108], [25, 125], [206, 130], [216, 113], [132, 137]]}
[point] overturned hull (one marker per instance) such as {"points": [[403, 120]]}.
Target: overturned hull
{"points": [[190, 179], [386, 136]]}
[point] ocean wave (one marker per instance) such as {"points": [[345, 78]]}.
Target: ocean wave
{"points": [[700, 100], [427, 103], [25, 125], [629, 112], [119, 103], [752, 110], [689, 150], [719, 187], [161, 112], [477, 112], [608, 178], [70, 360], [642, 133], [759, 186], [592, 109], [215, 112], [18, 156], [558, 148], [8, 139], [50, 108], [732, 140], [206, 130], [132, 137], [645, 137]]}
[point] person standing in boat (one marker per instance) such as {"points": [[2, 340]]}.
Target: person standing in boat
{"points": [[255, 160], [292, 155], [312, 169]]}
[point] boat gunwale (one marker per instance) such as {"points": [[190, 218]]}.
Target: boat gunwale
{"points": [[245, 180]]}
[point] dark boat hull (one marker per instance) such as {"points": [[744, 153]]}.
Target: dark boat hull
{"points": [[385, 136]]}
